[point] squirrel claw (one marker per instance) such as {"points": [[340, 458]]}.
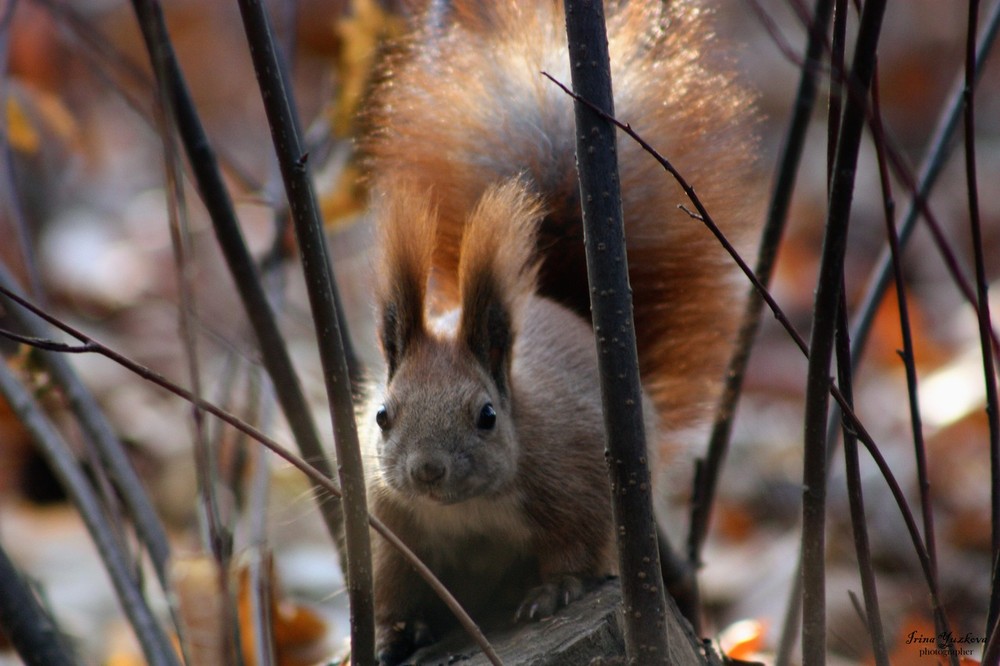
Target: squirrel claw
{"points": [[543, 601], [404, 639]]}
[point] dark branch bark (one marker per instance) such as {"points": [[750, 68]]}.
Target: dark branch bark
{"points": [[777, 215], [215, 196], [855, 496], [821, 340], [611, 306], [331, 332]]}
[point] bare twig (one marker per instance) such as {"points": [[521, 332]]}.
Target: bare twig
{"points": [[983, 311], [703, 214], [907, 354], [855, 491], [919, 204], [219, 539], [848, 413], [827, 301], [777, 215], [124, 76], [274, 352], [855, 495], [919, 189], [783, 45], [336, 354]]}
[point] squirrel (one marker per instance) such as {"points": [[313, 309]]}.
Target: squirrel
{"points": [[484, 446]]}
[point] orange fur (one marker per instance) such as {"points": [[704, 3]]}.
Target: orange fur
{"points": [[465, 107]]}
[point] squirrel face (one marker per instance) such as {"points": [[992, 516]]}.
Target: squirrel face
{"points": [[445, 428]]}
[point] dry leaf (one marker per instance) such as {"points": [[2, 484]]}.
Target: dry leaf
{"points": [[743, 640], [299, 633]]}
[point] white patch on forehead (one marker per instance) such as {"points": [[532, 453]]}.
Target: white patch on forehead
{"points": [[444, 325]]}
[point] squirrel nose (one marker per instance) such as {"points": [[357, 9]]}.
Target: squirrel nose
{"points": [[428, 471]]}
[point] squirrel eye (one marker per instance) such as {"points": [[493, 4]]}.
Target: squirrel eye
{"points": [[382, 418], [487, 417]]}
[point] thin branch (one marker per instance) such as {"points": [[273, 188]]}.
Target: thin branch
{"points": [[219, 539], [855, 495], [991, 651], [618, 366], [982, 298], [828, 291], [336, 354], [122, 75], [261, 572], [900, 498], [309, 469], [919, 189], [782, 44], [274, 352], [919, 202], [777, 215], [907, 354]]}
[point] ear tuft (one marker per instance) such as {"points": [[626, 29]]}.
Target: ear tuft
{"points": [[497, 271], [406, 228]]}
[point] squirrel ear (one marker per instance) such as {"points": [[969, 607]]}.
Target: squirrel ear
{"points": [[496, 273], [406, 226]]}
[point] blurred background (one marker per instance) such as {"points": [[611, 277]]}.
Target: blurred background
{"points": [[84, 227]]}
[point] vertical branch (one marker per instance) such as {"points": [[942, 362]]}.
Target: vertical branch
{"points": [[793, 609], [218, 538], [215, 196], [989, 369], [838, 48], [25, 622], [611, 305], [261, 564], [821, 340], [855, 495], [907, 353], [855, 490], [791, 153], [333, 341]]}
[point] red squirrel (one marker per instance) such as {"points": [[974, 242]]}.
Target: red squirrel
{"points": [[485, 443]]}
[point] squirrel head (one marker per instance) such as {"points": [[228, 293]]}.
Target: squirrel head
{"points": [[446, 423]]}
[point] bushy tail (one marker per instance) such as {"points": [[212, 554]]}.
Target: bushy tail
{"points": [[464, 106]]}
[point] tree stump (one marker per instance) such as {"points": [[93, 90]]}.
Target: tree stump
{"points": [[588, 630]]}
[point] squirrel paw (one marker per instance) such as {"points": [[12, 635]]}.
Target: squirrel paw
{"points": [[544, 600], [403, 640]]}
